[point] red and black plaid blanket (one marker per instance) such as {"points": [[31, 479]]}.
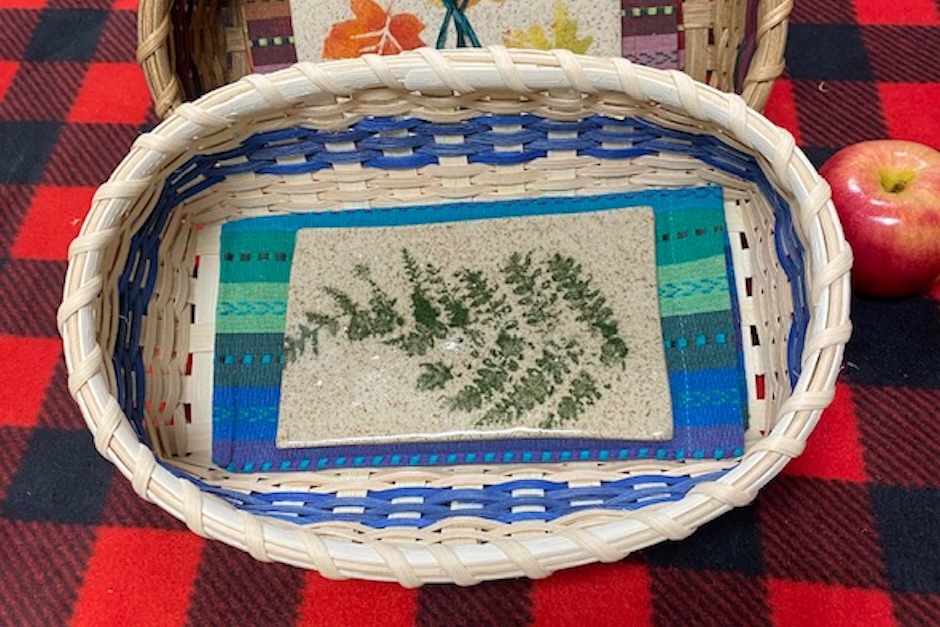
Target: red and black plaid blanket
{"points": [[849, 534]]}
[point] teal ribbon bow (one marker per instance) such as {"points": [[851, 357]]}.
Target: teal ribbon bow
{"points": [[465, 32]]}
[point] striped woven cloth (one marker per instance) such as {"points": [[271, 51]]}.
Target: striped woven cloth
{"points": [[699, 324]]}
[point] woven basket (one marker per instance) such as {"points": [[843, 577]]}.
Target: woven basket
{"points": [[137, 309], [185, 50]]}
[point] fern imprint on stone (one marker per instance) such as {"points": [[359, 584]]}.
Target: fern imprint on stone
{"points": [[535, 326], [497, 346]]}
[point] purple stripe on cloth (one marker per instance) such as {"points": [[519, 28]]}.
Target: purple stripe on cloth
{"points": [[649, 17], [270, 35], [659, 51], [471, 452], [652, 33]]}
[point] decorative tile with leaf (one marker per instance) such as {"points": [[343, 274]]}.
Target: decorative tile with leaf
{"points": [[544, 325], [280, 31]]}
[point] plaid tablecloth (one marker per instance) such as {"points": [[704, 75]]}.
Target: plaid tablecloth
{"points": [[849, 534]]}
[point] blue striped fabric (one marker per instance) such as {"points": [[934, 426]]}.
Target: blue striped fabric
{"points": [[699, 323]]}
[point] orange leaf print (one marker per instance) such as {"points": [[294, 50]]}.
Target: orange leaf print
{"points": [[373, 30]]}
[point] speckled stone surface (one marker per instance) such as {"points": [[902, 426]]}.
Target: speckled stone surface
{"points": [[370, 378]]}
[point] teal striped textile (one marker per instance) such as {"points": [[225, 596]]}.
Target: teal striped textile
{"points": [[698, 309]]}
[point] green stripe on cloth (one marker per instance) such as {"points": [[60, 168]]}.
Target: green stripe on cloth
{"points": [[694, 287], [251, 307], [700, 233], [261, 257]]}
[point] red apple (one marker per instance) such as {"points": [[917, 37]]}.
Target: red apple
{"points": [[887, 195]]}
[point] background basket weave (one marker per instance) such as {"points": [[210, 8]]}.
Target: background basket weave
{"points": [[186, 48]]}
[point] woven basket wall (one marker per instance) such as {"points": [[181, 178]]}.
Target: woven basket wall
{"points": [[137, 312], [185, 50]]}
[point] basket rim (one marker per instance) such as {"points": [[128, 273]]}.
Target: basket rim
{"points": [[353, 551], [155, 52]]}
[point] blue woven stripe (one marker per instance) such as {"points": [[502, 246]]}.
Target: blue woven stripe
{"points": [[720, 406], [254, 406], [384, 509]]}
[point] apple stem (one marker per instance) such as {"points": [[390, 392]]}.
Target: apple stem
{"points": [[896, 182]]}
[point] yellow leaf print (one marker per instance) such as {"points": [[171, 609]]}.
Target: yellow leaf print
{"points": [[564, 34], [532, 37], [565, 31]]}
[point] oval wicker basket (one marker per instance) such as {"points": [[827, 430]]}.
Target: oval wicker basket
{"points": [[185, 49], [136, 318]]}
